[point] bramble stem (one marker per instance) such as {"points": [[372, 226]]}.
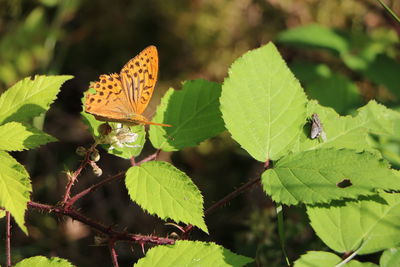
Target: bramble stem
{"points": [[92, 188], [73, 177], [109, 231], [114, 256], [8, 239]]}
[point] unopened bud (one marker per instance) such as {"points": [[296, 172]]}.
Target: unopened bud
{"points": [[96, 169], [81, 151], [104, 129], [95, 156]]}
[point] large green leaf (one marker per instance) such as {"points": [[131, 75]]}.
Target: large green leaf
{"points": [[370, 224], [193, 113], [15, 136], [161, 189], [323, 175], [348, 131], [15, 188], [192, 254], [390, 258], [327, 259], [314, 36], [29, 98], [41, 261], [262, 103]]}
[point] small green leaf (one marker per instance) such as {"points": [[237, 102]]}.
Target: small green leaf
{"points": [[369, 224], [29, 98], [44, 262], [314, 36], [262, 103], [323, 175], [193, 113], [15, 188], [161, 189], [15, 136], [390, 258], [191, 254], [327, 259], [308, 72]]}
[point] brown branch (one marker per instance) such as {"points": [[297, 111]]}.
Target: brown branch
{"points": [[8, 239], [111, 233]]}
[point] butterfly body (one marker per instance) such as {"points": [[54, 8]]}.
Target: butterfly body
{"points": [[123, 97]]}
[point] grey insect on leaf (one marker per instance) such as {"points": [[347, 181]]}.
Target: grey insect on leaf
{"points": [[316, 128]]}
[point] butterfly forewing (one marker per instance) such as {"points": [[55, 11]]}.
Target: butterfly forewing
{"points": [[109, 101], [139, 77]]}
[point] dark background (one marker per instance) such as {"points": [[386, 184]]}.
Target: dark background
{"points": [[195, 39]]}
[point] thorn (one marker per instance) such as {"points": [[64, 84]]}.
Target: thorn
{"points": [[142, 245]]}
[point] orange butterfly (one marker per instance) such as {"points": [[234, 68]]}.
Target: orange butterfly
{"points": [[123, 98]]}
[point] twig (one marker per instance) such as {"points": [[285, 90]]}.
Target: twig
{"points": [[114, 256], [92, 188], [8, 239], [72, 177], [111, 233], [149, 158], [231, 195]]}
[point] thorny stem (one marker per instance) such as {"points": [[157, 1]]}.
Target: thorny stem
{"points": [[72, 177], [109, 231], [149, 158], [8, 239], [114, 256]]}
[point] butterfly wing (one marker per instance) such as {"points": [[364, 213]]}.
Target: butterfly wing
{"points": [[109, 103], [139, 77]]}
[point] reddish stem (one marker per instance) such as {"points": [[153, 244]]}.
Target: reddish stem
{"points": [[92, 188], [8, 239], [231, 195], [116, 235], [114, 256], [73, 177], [149, 158]]}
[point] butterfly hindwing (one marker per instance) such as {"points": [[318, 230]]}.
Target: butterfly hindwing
{"points": [[139, 77]]}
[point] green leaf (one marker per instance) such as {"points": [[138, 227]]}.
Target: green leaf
{"points": [[192, 253], [44, 262], [323, 175], [326, 259], [161, 189], [15, 136], [347, 131], [193, 112], [335, 91], [15, 188], [369, 224], [128, 150], [314, 36], [262, 103], [390, 258], [29, 98]]}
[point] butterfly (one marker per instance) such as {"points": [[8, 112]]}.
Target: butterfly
{"points": [[123, 97]]}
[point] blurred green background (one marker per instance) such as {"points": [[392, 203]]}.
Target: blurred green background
{"points": [[344, 53]]}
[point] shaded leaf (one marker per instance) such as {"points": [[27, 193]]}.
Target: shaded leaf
{"points": [[193, 113]]}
